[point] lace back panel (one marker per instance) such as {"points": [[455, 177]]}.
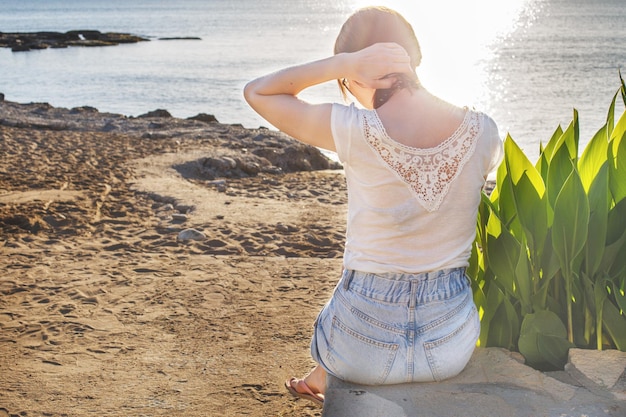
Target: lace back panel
{"points": [[427, 171]]}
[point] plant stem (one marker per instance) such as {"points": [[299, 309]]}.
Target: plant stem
{"points": [[599, 329], [568, 293]]}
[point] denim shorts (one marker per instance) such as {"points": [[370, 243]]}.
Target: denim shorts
{"points": [[393, 328]]}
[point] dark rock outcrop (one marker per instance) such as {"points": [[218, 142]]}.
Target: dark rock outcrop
{"points": [[158, 113], [27, 41], [203, 117]]}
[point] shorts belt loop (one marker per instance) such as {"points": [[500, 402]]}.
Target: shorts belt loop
{"points": [[348, 279], [412, 301]]}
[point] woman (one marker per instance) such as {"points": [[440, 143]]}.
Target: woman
{"points": [[415, 166]]}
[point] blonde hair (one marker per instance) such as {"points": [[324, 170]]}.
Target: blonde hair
{"points": [[375, 24]]}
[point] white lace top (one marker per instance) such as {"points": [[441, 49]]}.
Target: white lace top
{"points": [[430, 171], [411, 209]]}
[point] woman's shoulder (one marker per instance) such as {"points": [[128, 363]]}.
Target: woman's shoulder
{"points": [[349, 114], [485, 122]]}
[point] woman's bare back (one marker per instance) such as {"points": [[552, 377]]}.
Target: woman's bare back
{"points": [[420, 120]]}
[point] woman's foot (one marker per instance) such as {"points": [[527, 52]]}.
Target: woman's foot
{"points": [[311, 388], [299, 389]]}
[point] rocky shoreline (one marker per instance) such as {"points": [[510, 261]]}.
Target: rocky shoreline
{"points": [[236, 152], [28, 41]]}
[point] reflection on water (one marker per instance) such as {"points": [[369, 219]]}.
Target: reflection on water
{"points": [[458, 38], [567, 58]]}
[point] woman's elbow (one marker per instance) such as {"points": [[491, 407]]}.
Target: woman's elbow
{"points": [[250, 92], [247, 92]]}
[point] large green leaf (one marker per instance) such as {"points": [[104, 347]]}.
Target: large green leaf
{"points": [[616, 222], [542, 166], [549, 261], [561, 167], [620, 127], [553, 350], [599, 200], [610, 117], [532, 213], [614, 259], [524, 281], [490, 298], [507, 210], [503, 258], [618, 268], [504, 326], [617, 160], [519, 165], [473, 271], [486, 210], [569, 230], [593, 157], [543, 340], [569, 139], [615, 325], [548, 151]]}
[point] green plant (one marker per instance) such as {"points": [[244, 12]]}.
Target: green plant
{"points": [[549, 264]]}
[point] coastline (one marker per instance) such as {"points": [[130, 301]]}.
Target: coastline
{"points": [[108, 308]]}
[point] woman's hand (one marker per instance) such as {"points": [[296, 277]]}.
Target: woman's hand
{"points": [[374, 66]]}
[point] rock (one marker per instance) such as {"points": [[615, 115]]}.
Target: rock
{"points": [[109, 127], [166, 207], [1, 97], [178, 217], [184, 208], [294, 157], [493, 384], [83, 109], [283, 228], [191, 234], [156, 113], [225, 166], [598, 370], [203, 117]]}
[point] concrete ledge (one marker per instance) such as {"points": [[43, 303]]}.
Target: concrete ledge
{"points": [[495, 383]]}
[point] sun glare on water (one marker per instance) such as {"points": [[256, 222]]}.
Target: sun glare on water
{"points": [[457, 38]]}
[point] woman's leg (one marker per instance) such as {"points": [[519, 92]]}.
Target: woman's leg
{"points": [[316, 380]]}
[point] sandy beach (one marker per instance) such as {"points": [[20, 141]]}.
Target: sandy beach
{"points": [[104, 310], [155, 266]]}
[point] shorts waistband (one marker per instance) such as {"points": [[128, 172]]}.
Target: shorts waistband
{"points": [[397, 287]]}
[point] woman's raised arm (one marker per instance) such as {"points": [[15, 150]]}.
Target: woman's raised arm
{"points": [[275, 96]]}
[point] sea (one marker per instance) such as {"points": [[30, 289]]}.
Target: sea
{"points": [[527, 63]]}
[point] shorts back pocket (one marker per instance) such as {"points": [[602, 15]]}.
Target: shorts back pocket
{"points": [[448, 355], [358, 358]]}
